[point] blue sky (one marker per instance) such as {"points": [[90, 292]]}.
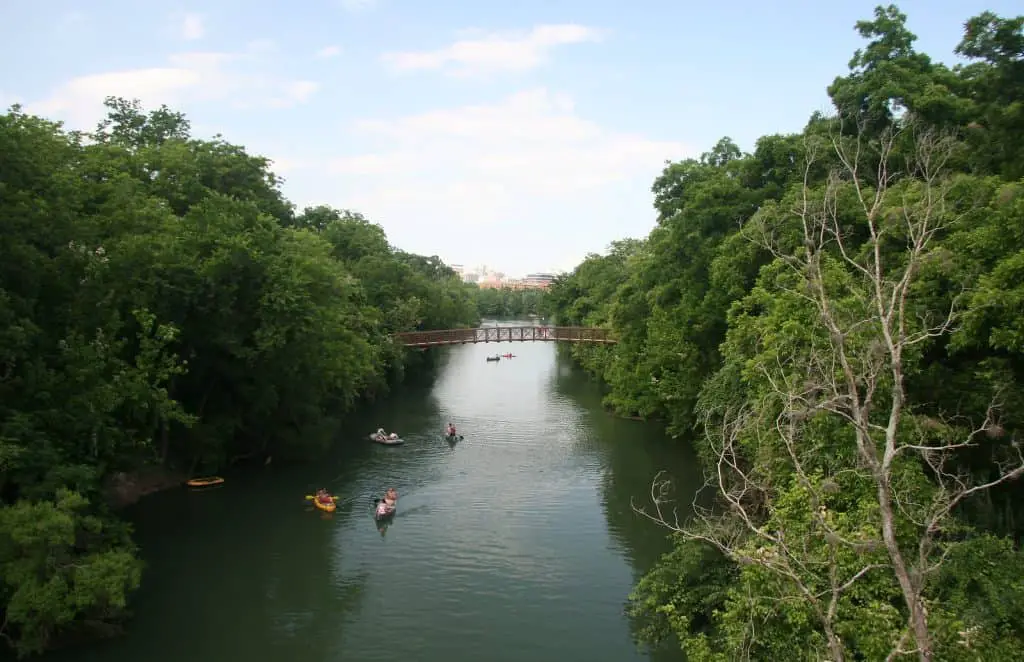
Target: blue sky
{"points": [[520, 135]]}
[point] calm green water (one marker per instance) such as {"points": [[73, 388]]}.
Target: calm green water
{"points": [[517, 543]]}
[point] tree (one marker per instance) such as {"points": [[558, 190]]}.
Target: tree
{"points": [[163, 309], [833, 488]]}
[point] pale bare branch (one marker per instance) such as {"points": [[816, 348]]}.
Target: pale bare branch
{"points": [[860, 287]]}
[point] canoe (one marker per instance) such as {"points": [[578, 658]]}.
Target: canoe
{"points": [[326, 507], [386, 442], [205, 481]]}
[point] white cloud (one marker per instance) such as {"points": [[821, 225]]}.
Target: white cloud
{"points": [[284, 165], [192, 27], [487, 163], [262, 47], [329, 51], [295, 93], [369, 164], [481, 53], [235, 78], [8, 100]]}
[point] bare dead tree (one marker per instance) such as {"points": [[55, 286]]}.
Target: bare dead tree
{"points": [[859, 282]]}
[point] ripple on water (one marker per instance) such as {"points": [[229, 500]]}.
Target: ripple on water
{"points": [[501, 549]]}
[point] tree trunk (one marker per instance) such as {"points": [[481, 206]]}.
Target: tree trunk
{"points": [[918, 619]]}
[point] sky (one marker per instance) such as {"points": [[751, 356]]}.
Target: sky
{"points": [[518, 135]]}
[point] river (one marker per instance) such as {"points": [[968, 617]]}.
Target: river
{"points": [[517, 543]]}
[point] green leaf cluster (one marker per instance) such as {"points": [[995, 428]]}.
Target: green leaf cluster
{"points": [[164, 309]]}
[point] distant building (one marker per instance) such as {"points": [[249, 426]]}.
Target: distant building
{"points": [[538, 281], [487, 279], [491, 280]]}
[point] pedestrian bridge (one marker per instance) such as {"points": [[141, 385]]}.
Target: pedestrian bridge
{"points": [[504, 334]]}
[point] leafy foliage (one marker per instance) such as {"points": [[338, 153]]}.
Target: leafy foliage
{"points": [[738, 312], [505, 302], [163, 306]]}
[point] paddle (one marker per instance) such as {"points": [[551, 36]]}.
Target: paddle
{"points": [[310, 497]]}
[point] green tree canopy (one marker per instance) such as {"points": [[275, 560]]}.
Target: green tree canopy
{"points": [[163, 308], [837, 313]]}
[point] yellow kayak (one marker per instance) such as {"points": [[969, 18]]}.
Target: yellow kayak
{"points": [[328, 507], [204, 482]]}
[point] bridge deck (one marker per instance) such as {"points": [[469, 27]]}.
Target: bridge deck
{"points": [[504, 334]]}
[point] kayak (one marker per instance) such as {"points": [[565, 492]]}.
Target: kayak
{"points": [[326, 507], [453, 437], [493, 358], [386, 442], [204, 482]]}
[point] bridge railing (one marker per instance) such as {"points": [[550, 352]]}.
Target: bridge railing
{"points": [[503, 334], [436, 337]]}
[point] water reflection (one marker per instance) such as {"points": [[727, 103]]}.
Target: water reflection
{"points": [[218, 567], [632, 454], [517, 542]]}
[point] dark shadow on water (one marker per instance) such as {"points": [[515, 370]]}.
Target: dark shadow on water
{"points": [[216, 568], [251, 570], [632, 453]]}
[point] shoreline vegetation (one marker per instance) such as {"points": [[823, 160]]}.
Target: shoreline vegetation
{"points": [[836, 313], [164, 312], [834, 320]]}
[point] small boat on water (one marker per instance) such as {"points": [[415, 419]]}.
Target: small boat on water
{"points": [[387, 441], [493, 358], [207, 481], [326, 507]]}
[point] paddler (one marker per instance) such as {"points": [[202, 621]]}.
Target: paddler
{"points": [[323, 497], [451, 429]]}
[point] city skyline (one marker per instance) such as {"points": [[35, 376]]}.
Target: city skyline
{"points": [[485, 276], [482, 269]]}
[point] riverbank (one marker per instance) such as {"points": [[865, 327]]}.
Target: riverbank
{"points": [[123, 489]]}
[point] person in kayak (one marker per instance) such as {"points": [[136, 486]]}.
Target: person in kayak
{"points": [[451, 429], [391, 497], [323, 497], [381, 436]]}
